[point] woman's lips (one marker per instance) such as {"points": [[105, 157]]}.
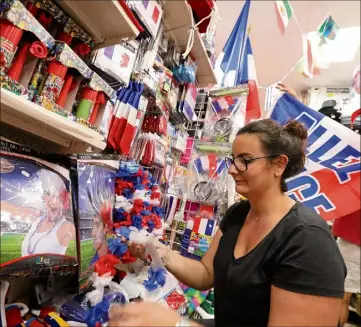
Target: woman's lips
{"points": [[239, 182]]}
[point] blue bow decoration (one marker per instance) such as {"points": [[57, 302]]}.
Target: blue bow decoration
{"points": [[156, 279], [119, 215], [123, 231], [97, 315], [137, 221], [117, 247]]}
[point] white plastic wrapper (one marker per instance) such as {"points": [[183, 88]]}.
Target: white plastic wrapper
{"points": [[99, 283]]}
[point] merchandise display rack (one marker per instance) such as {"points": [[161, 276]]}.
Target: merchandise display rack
{"points": [[52, 131], [178, 21]]}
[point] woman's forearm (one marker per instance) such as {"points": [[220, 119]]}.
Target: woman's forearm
{"points": [[188, 271]]}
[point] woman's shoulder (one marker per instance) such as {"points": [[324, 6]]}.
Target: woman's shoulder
{"points": [[304, 217], [235, 215], [301, 228]]}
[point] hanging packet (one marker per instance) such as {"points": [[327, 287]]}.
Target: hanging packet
{"points": [[130, 127]]}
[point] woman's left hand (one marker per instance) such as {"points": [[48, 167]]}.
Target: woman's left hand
{"points": [[143, 314]]}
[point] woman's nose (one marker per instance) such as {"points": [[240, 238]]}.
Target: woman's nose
{"points": [[232, 170]]}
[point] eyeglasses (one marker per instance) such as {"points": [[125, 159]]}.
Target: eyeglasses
{"points": [[241, 163]]}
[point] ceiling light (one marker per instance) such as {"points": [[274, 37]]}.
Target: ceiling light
{"points": [[342, 49]]}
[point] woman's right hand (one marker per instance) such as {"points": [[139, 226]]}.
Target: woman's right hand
{"points": [[287, 89], [140, 252]]}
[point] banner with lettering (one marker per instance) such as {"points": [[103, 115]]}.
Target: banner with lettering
{"points": [[330, 182]]}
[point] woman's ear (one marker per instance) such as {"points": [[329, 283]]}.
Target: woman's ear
{"points": [[280, 164]]}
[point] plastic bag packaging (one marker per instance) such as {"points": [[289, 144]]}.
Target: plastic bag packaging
{"points": [[207, 177], [72, 311], [225, 116], [99, 283]]}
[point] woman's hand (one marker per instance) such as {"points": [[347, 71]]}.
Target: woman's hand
{"points": [[142, 314], [139, 250], [287, 89]]}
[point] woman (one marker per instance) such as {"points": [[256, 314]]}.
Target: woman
{"points": [[272, 262]]}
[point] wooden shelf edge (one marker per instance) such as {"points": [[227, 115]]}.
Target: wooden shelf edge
{"points": [[107, 29], [34, 119]]}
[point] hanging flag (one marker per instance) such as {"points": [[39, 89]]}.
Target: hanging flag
{"points": [[224, 104], [253, 109], [236, 63], [284, 13], [328, 29], [307, 56], [332, 174], [307, 63]]}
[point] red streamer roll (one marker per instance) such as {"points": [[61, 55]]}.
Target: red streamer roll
{"points": [[58, 69], [18, 63], [89, 94], [101, 99], [10, 36]]}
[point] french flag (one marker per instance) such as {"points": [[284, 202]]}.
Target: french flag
{"points": [[236, 63], [330, 182]]}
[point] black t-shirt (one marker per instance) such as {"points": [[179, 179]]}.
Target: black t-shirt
{"points": [[298, 255]]}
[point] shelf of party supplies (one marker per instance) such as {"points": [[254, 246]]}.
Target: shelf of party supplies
{"points": [[65, 135], [178, 21], [106, 21]]}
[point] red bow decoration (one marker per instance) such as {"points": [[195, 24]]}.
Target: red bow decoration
{"points": [[121, 185], [155, 195], [38, 50], [106, 264], [139, 173]]}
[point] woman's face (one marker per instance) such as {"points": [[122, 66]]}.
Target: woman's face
{"points": [[98, 234], [261, 174], [54, 207]]}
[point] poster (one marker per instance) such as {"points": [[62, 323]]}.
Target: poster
{"points": [[37, 224], [95, 202]]}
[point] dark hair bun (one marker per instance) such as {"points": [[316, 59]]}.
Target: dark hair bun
{"points": [[296, 129]]}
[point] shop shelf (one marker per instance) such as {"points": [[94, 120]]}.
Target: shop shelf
{"points": [[178, 21], [106, 21], [58, 134]]}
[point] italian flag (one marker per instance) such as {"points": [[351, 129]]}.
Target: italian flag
{"points": [[284, 13]]}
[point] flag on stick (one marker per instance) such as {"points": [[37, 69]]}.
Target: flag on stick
{"points": [[237, 64]]}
